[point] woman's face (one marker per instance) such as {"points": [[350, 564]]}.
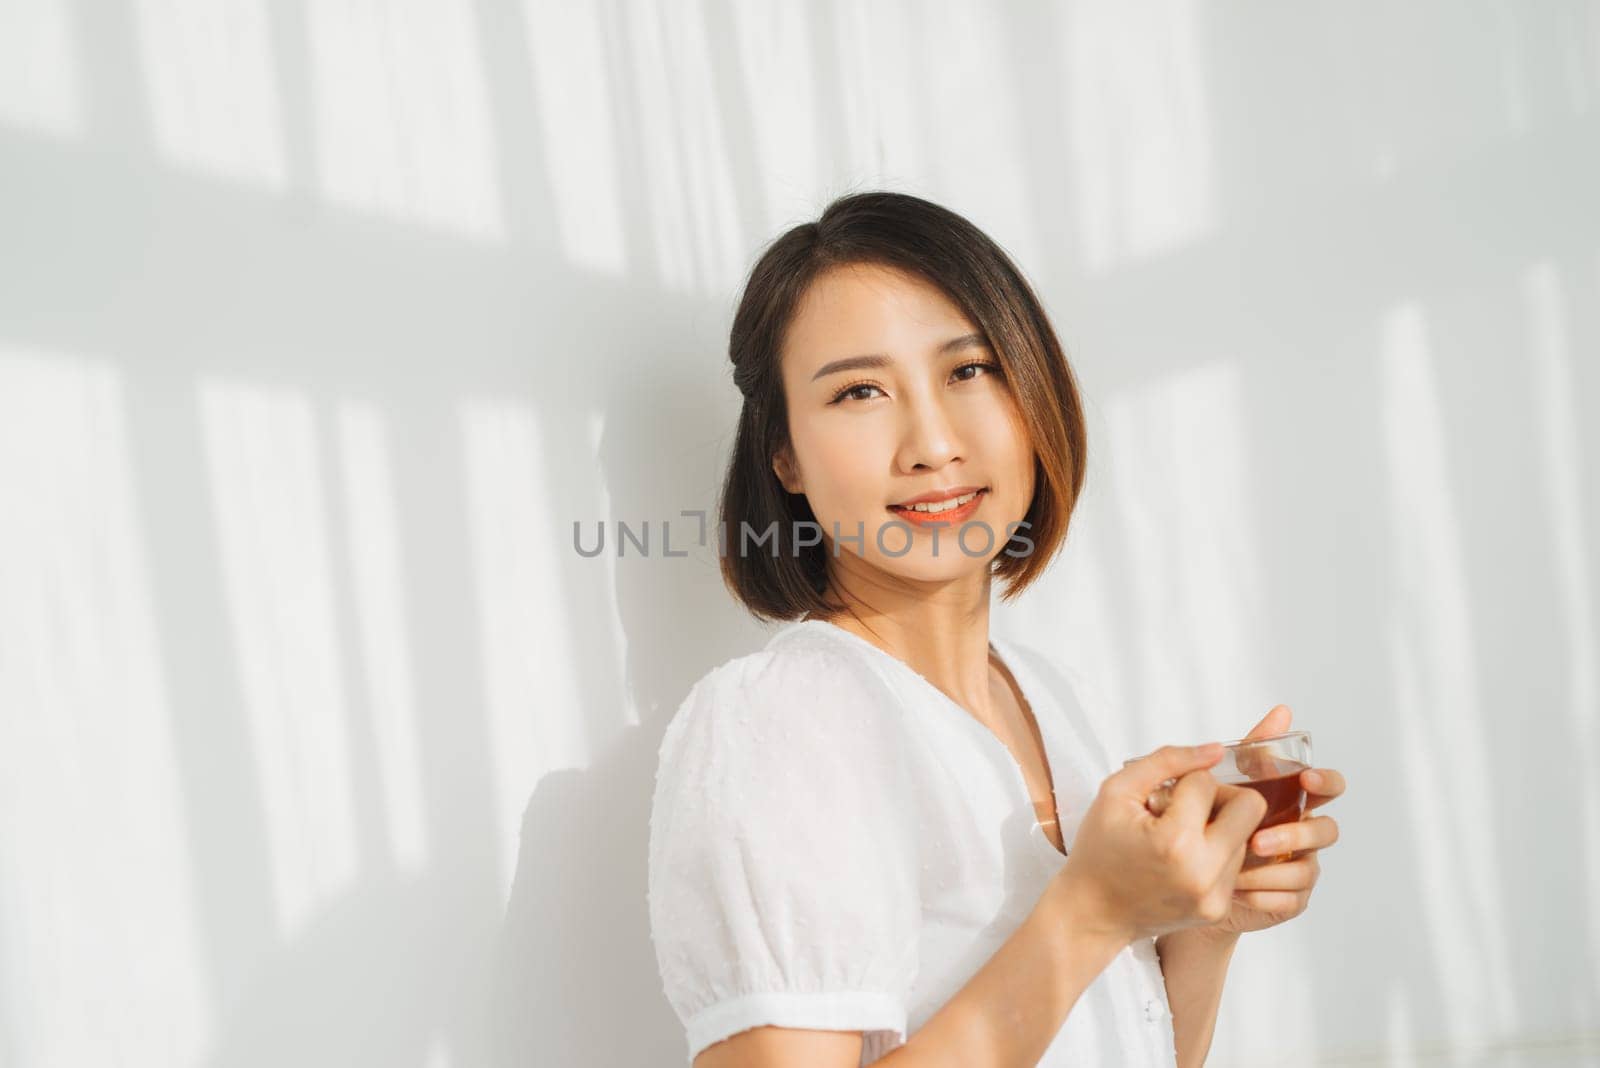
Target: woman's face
{"points": [[916, 416]]}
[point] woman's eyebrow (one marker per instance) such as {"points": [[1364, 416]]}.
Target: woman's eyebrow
{"points": [[878, 359]]}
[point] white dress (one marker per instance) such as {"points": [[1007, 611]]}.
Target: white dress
{"points": [[836, 844]]}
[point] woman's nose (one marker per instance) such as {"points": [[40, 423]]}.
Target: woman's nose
{"points": [[929, 438]]}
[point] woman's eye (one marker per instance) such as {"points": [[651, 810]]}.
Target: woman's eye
{"points": [[974, 366], [853, 392], [857, 391]]}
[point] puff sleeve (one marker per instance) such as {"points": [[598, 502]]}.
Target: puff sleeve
{"points": [[782, 863]]}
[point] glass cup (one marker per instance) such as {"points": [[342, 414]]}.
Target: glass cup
{"points": [[1270, 766]]}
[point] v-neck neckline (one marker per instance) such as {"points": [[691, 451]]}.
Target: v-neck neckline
{"points": [[1001, 650]]}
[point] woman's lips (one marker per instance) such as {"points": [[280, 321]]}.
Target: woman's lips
{"points": [[949, 515]]}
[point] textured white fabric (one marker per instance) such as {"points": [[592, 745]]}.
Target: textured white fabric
{"points": [[836, 844]]}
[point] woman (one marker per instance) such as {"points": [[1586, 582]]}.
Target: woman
{"points": [[885, 837]]}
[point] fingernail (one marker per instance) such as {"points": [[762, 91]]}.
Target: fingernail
{"points": [[1268, 843], [1313, 779]]}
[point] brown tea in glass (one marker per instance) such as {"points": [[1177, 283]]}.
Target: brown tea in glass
{"points": [[1270, 766]]}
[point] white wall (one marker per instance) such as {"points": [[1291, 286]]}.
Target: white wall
{"points": [[320, 323]]}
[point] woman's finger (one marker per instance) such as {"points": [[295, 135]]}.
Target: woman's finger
{"points": [[1275, 902], [1321, 785], [1240, 814], [1139, 778], [1318, 832], [1298, 874], [1191, 799]]}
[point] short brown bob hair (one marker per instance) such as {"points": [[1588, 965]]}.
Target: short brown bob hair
{"points": [[934, 243]]}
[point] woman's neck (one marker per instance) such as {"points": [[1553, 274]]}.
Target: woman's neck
{"points": [[945, 644]]}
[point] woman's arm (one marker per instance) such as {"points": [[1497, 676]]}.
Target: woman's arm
{"points": [[1130, 872], [1009, 1012], [1194, 962]]}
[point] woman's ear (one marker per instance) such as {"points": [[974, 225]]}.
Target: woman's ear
{"points": [[784, 467]]}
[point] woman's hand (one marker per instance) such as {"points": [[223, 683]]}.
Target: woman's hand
{"points": [[1135, 873], [1271, 893]]}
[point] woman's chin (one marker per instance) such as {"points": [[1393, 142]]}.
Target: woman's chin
{"points": [[921, 566]]}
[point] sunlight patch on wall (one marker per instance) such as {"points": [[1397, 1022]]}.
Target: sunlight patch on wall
{"points": [[1180, 476], [438, 1055], [536, 714], [1578, 59], [1450, 815], [679, 128], [578, 123], [1513, 68], [1139, 128], [40, 80], [97, 902], [402, 113], [980, 121], [266, 486], [1400, 1039], [617, 649], [775, 66], [1571, 550], [211, 79], [380, 609], [878, 92]]}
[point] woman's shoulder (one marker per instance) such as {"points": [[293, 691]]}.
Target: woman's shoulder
{"points": [[792, 728], [799, 679], [791, 657]]}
